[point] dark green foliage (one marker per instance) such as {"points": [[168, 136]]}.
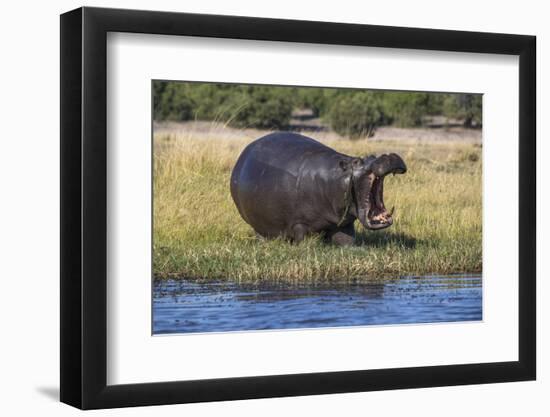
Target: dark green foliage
{"points": [[350, 112], [171, 103], [318, 100], [405, 109], [467, 107], [355, 114], [237, 105], [262, 107]]}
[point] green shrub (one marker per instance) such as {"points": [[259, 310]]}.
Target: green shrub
{"points": [[319, 100], [405, 109], [237, 105], [467, 107], [171, 102], [355, 114], [261, 107]]}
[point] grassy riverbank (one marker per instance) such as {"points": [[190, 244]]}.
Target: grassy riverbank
{"points": [[198, 232]]}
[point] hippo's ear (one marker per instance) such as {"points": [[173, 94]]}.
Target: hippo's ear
{"points": [[368, 159]]}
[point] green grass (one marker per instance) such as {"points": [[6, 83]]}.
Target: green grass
{"points": [[198, 233]]}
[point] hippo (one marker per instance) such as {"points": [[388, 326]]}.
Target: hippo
{"points": [[288, 185]]}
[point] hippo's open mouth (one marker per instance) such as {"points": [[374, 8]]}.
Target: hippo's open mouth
{"points": [[377, 216], [369, 190]]}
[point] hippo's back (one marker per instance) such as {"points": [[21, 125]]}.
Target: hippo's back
{"points": [[265, 178]]}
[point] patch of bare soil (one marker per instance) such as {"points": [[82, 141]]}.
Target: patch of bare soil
{"points": [[315, 128], [429, 134]]}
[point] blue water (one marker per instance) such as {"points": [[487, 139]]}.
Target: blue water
{"points": [[181, 306]]}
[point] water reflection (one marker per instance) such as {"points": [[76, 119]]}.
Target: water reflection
{"points": [[181, 306]]}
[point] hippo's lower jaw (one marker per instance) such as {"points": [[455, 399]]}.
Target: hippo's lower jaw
{"points": [[378, 224], [382, 224]]}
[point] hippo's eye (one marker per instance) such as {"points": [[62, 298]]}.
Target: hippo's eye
{"points": [[343, 165]]}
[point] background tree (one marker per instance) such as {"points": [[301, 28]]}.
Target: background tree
{"points": [[356, 114], [467, 107]]}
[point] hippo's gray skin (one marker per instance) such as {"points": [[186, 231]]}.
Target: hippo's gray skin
{"points": [[289, 185]]}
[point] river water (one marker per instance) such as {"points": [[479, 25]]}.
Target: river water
{"points": [[181, 306]]}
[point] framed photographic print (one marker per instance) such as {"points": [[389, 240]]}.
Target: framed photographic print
{"points": [[257, 208]]}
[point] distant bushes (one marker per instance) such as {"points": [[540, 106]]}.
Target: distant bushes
{"points": [[262, 107], [464, 106], [171, 102], [350, 112], [408, 109], [241, 106], [355, 115]]}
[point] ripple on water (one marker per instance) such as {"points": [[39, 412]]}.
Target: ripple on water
{"points": [[181, 306]]}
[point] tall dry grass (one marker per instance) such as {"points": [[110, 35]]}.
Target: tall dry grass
{"points": [[198, 232]]}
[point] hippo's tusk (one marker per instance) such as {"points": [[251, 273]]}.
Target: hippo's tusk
{"points": [[392, 210]]}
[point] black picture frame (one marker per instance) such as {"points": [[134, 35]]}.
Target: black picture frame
{"points": [[84, 207]]}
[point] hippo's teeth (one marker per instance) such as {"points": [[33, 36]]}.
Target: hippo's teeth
{"points": [[380, 218], [392, 210]]}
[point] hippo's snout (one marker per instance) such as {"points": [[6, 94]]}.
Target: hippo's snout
{"points": [[388, 164]]}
